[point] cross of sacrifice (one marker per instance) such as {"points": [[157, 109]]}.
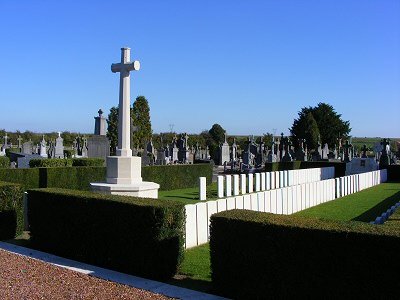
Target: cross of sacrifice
{"points": [[124, 67]]}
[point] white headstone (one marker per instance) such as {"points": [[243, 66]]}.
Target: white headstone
{"points": [[202, 188]]}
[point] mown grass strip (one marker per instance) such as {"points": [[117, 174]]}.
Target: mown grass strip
{"points": [[363, 206], [189, 195]]}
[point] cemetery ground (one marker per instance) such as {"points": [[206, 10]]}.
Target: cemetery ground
{"points": [[363, 206]]}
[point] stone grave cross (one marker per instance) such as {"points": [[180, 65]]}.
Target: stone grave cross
{"points": [[364, 150], [19, 139], [124, 68], [347, 147], [384, 159]]}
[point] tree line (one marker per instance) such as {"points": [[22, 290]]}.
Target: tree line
{"points": [[36, 138], [314, 126]]}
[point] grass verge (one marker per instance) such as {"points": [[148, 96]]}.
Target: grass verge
{"points": [[190, 195], [195, 271], [363, 206]]}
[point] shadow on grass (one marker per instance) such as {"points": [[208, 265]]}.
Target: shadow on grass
{"points": [[194, 197], [189, 283], [377, 210]]}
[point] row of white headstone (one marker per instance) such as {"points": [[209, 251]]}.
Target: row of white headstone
{"points": [[264, 181], [286, 200]]}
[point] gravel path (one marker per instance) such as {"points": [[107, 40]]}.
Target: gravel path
{"points": [[23, 277]]}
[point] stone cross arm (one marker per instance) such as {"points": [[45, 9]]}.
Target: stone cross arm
{"points": [[127, 66]]}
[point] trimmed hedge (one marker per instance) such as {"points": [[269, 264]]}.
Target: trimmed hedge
{"points": [[4, 162], [393, 172], [79, 178], [88, 162], [27, 178], [11, 210], [138, 236], [50, 162], [60, 162], [177, 176], [340, 168], [76, 178], [287, 257]]}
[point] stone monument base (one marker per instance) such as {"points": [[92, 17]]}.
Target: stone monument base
{"points": [[143, 189], [124, 178]]}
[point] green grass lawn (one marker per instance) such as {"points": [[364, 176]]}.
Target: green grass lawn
{"points": [[363, 206], [195, 271], [190, 195]]}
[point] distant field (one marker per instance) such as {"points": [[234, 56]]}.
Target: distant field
{"points": [[359, 142]]}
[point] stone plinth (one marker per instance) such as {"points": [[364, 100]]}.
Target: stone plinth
{"points": [[124, 169], [124, 177], [139, 189]]}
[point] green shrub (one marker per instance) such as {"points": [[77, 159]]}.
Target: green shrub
{"points": [[69, 153], [88, 162], [11, 210], [8, 150], [76, 178], [4, 162], [173, 177], [393, 172], [340, 168], [49, 163], [137, 236], [26, 178], [287, 256], [79, 178]]}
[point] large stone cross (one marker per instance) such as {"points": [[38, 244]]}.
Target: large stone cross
{"points": [[124, 67]]}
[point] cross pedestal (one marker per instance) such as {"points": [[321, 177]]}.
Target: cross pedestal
{"points": [[124, 170]]}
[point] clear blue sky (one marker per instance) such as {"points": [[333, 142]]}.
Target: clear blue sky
{"points": [[249, 66]]}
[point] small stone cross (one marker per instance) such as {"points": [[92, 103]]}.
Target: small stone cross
{"points": [[124, 67], [364, 150], [19, 139], [347, 146]]}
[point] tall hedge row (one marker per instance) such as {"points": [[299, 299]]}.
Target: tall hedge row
{"points": [[11, 210], [27, 178], [138, 236], [258, 255], [393, 172], [79, 178], [4, 162], [58, 162], [177, 176], [340, 168]]}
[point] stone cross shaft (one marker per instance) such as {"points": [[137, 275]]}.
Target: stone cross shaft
{"points": [[124, 67]]}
